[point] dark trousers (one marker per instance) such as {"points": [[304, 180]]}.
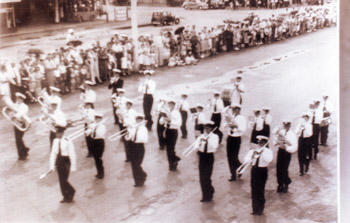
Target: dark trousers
{"points": [[98, 146], [22, 150], [63, 168], [52, 137], [216, 118], [304, 147], [127, 149], [137, 152], [147, 108], [89, 142], [315, 138], [119, 56], [206, 163], [324, 134], [233, 146], [257, 183], [283, 160], [184, 116], [116, 119], [170, 141], [160, 133]]}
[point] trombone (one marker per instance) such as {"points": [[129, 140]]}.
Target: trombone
{"points": [[124, 132], [81, 132], [192, 147]]}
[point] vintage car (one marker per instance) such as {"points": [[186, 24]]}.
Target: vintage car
{"points": [[164, 18], [192, 4]]}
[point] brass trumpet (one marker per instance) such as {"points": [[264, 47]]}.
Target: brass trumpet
{"points": [[192, 147], [47, 122], [81, 132]]}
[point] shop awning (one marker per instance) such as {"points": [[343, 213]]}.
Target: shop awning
{"points": [[9, 1]]}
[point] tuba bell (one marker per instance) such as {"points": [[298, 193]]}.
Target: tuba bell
{"points": [[21, 124]]}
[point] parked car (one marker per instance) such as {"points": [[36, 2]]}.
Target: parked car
{"points": [[216, 5], [192, 4], [164, 18]]}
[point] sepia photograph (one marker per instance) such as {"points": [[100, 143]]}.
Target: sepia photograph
{"points": [[174, 111]]}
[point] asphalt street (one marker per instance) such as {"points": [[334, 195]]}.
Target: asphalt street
{"points": [[285, 76]]}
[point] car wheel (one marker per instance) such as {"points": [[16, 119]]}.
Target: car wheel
{"points": [[200, 7], [177, 21], [164, 23]]}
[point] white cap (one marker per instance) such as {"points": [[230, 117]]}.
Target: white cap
{"points": [[99, 114], [215, 92], [266, 108], [70, 30], [54, 89], [171, 101], [129, 101], [20, 95], [120, 90], [199, 105], [116, 70], [233, 105], [260, 137], [287, 121], [306, 114], [140, 115], [89, 83]]}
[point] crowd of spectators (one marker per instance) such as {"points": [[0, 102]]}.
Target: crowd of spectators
{"points": [[68, 67]]}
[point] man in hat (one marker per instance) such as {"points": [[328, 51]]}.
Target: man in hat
{"points": [[90, 95], [118, 102], [257, 124], [97, 131], [116, 81], [199, 120], [70, 36], [89, 118], [267, 122], [184, 108], [287, 144], [317, 116], [304, 132], [21, 110], [259, 159], [63, 157], [148, 87], [54, 96], [161, 112], [236, 125], [207, 143], [129, 115], [138, 137], [237, 91], [327, 109], [217, 106], [172, 123], [57, 116]]}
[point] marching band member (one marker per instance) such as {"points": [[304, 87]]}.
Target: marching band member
{"points": [[317, 116], [184, 108], [172, 122], [148, 88], [327, 109], [207, 143], [287, 144], [267, 122], [138, 137], [98, 132], [217, 105], [236, 124], [57, 116], [22, 109], [237, 91], [160, 127], [257, 124], [119, 103], [259, 159], [115, 84], [129, 115], [199, 120], [89, 118], [304, 131], [90, 95], [64, 158], [54, 96]]}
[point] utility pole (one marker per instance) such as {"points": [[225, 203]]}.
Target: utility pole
{"points": [[107, 12], [134, 33]]}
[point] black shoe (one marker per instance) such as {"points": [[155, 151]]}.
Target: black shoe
{"points": [[306, 168], [239, 175], [232, 179], [175, 164], [206, 200], [127, 161], [301, 174], [99, 176], [280, 189], [63, 201], [139, 184], [184, 137]]}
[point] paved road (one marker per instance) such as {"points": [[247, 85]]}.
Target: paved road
{"points": [[285, 76]]}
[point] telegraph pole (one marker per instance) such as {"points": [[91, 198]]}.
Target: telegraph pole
{"points": [[134, 33]]}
